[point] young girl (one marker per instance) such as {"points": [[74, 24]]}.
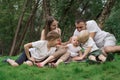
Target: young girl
{"points": [[90, 49], [37, 51]]}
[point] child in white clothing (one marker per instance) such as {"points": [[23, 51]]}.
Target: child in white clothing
{"points": [[90, 49], [37, 51], [73, 48]]}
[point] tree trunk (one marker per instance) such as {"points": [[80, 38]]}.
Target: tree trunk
{"points": [[105, 12], [21, 39], [46, 8], [26, 26], [1, 48], [17, 30]]}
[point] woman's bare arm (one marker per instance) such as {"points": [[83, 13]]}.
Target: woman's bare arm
{"points": [[42, 35]]}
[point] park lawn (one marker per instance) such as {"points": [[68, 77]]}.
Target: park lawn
{"points": [[72, 71]]}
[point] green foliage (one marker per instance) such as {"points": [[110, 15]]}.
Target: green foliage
{"points": [[113, 22], [72, 71], [9, 14], [65, 11], [93, 9]]}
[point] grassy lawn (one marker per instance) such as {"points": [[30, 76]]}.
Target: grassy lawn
{"points": [[72, 71]]}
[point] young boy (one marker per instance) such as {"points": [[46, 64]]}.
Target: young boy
{"points": [[73, 49], [90, 49], [37, 51]]}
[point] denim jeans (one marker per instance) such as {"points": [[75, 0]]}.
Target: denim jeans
{"points": [[21, 58]]}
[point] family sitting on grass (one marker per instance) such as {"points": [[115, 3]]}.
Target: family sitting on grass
{"points": [[88, 42]]}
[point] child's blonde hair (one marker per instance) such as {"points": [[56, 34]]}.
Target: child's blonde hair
{"points": [[83, 36], [74, 37]]}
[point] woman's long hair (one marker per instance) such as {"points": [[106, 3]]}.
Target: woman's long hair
{"points": [[48, 23]]}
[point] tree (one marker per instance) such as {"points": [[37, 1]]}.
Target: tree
{"points": [[16, 31], [46, 8], [9, 12], [15, 50], [106, 12], [112, 23], [16, 38]]}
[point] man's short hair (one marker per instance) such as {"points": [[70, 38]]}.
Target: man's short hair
{"points": [[80, 20]]}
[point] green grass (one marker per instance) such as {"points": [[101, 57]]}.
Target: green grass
{"points": [[72, 71]]}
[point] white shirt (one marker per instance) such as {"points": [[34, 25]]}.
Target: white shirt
{"points": [[74, 51], [90, 43], [40, 50], [76, 32], [93, 27]]}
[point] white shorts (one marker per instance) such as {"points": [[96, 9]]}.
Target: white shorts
{"points": [[109, 40]]}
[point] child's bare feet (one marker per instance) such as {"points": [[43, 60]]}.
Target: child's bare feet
{"points": [[102, 58], [93, 58], [12, 62], [40, 65]]}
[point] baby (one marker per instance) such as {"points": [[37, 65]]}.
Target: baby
{"points": [[91, 51], [73, 48]]}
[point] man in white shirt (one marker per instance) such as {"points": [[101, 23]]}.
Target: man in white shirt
{"points": [[102, 39]]}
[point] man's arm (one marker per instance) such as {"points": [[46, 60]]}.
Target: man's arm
{"points": [[92, 34]]}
